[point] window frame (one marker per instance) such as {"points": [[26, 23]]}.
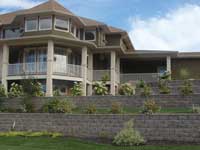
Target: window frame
{"points": [[94, 32], [46, 17], [61, 18], [33, 18]]}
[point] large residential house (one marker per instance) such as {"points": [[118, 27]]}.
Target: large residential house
{"points": [[53, 45]]}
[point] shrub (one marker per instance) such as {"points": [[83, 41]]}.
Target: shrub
{"points": [[141, 84], [128, 136], [58, 106], [56, 92], [126, 89], [163, 87], [32, 87], [16, 90], [2, 91], [186, 89], [166, 75], [195, 109], [100, 88], [91, 109], [76, 90], [146, 91], [105, 78], [116, 108], [150, 107]]}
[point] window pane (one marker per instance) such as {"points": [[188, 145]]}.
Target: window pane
{"points": [[31, 25], [45, 23], [61, 24], [90, 35]]}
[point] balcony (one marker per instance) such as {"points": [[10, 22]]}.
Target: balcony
{"points": [[19, 69], [148, 77], [69, 70]]}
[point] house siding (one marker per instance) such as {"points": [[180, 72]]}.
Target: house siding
{"points": [[191, 65]]}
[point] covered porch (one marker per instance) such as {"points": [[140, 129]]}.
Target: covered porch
{"points": [[147, 69]]}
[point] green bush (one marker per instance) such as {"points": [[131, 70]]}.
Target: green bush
{"points": [[105, 78], [100, 88], [186, 89], [146, 91], [126, 89], [2, 91], [163, 87], [150, 107], [76, 90], [141, 84], [58, 106], [128, 136], [91, 109], [32, 87], [16, 90], [116, 108], [30, 134]]}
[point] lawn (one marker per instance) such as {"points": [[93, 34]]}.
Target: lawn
{"points": [[127, 110], [45, 143]]}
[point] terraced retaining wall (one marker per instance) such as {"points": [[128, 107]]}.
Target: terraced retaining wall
{"points": [[165, 101], [174, 128]]}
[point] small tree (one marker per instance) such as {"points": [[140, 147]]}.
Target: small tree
{"points": [[128, 136], [186, 89], [127, 89], [100, 88], [16, 90], [76, 90]]}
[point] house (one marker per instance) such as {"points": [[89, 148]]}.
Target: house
{"points": [[53, 45]]}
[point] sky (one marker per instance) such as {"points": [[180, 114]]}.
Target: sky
{"points": [[151, 24]]}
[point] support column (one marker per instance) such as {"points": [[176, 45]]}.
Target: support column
{"points": [[90, 75], [49, 81], [112, 73], [84, 70], [5, 63], [169, 64]]}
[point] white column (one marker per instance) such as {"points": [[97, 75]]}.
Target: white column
{"points": [[90, 75], [5, 63], [84, 70], [169, 63], [49, 81], [112, 74]]}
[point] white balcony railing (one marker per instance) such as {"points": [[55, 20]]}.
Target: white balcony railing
{"points": [[148, 77], [27, 68], [98, 74], [69, 70]]}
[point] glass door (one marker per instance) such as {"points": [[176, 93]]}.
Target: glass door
{"points": [[30, 61], [42, 60]]}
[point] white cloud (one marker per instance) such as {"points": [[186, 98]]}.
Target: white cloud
{"points": [[6, 4], [177, 30]]}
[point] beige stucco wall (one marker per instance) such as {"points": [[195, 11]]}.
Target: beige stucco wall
{"points": [[191, 65]]}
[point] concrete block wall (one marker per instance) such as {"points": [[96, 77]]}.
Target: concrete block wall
{"points": [[174, 128]]}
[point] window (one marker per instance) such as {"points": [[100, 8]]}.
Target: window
{"points": [[31, 25], [61, 24], [11, 33], [45, 23], [90, 35]]}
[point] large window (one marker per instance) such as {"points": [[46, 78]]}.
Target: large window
{"points": [[45, 23], [90, 35], [31, 25], [62, 24]]}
